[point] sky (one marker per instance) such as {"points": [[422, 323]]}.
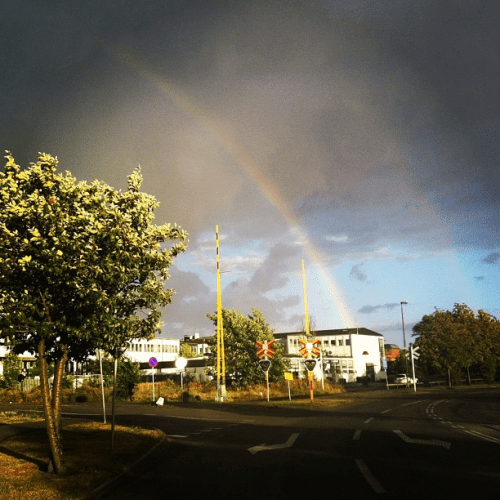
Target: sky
{"points": [[361, 137]]}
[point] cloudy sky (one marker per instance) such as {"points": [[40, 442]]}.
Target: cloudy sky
{"points": [[360, 136]]}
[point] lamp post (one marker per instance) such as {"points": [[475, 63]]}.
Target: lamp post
{"points": [[404, 338]]}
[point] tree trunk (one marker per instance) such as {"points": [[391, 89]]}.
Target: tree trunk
{"points": [[50, 421], [113, 406], [56, 393]]}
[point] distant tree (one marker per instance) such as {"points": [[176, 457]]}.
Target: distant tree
{"points": [[186, 352], [452, 340], [240, 336], [83, 267], [12, 367], [128, 373]]}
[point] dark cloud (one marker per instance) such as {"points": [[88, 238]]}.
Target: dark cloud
{"points": [[271, 275], [371, 309], [492, 258], [357, 274], [368, 125]]}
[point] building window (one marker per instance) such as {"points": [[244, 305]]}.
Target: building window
{"points": [[341, 342], [347, 341]]}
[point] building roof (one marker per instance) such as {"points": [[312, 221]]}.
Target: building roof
{"points": [[330, 333]]}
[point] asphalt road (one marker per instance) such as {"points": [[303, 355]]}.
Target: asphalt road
{"points": [[436, 444]]}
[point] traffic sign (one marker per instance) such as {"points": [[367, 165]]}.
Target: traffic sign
{"points": [[310, 364], [309, 349], [153, 362], [264, 349], [265, 364], [414, 353]]}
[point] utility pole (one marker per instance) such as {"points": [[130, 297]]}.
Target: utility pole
{"points": [[310, 372], [404, 340], [305, 298], [221, 362]]}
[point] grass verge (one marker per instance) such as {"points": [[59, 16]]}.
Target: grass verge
{"points": [[90, 462]]}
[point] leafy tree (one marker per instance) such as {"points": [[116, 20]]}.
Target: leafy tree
{"points": [[82, 267], [452, 340], [240, 336], [12, 367], [186, 352]]}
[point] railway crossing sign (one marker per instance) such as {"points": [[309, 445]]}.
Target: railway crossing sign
{"points": [[309, 349], [264, 349]]}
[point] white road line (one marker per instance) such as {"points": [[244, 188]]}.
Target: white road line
{"points": [[414, 402], [434, 442], [385, 411], [368, 421], [264, 447], [484, 436], [370, 478], [357, 435]]}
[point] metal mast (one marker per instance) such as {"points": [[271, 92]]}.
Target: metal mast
{"points": [[221, 362]]}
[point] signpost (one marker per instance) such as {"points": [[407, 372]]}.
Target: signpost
{"points": [[310, 350], [152, 363], [180, 364], [414, 355], [265, 354], [288, 377]]}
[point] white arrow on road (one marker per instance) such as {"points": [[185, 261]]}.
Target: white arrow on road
{"points": [[435, 442], [264, 447]]}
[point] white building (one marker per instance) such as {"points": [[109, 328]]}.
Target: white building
{"points": [[142, 351], [347, 354], [197, 345], [27, 359]]}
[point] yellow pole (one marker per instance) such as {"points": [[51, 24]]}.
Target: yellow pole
{"points": [[311, 373], [305, 298], [221, 364]]}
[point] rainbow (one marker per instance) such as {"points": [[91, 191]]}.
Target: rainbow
{"points": [[137, 64]]}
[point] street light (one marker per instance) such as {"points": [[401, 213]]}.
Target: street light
{"points": [[404, 338], [403, 320]]}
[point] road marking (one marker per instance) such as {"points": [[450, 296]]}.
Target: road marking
{"points": [[370, 478], [357, 435], [368, 421], [264, 447], [176, 436], [414, 402], [435, 442], [484, 436], [385, 411]]}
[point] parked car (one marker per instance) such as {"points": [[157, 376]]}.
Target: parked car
{"points": [[401, 379]]}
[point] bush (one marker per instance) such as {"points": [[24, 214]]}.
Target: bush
{"points": [[11, 396]]}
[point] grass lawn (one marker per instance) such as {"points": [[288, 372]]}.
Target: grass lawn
{"points": [[24, 464]]}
